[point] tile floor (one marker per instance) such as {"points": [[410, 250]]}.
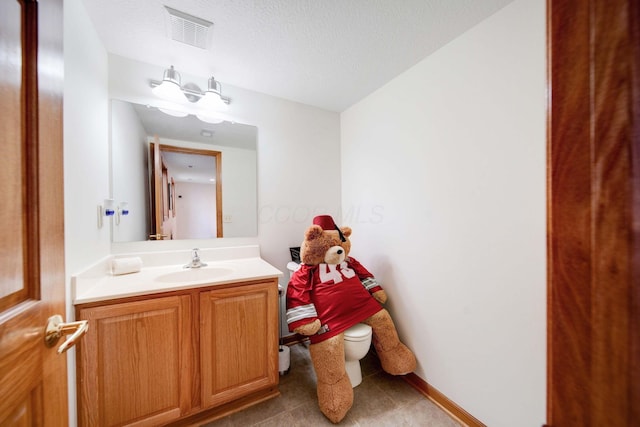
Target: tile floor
{"points": [[381, 400]]}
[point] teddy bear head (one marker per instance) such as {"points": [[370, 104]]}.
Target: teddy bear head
{"points": [[324, 242]]}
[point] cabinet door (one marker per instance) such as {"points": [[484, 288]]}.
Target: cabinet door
{"points": [[135, 362], [238, 341]]}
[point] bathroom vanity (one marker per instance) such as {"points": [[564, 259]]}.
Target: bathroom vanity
{"points": [[169, 345]]}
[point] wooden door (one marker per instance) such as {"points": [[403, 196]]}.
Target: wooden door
{"points": [[238, 341], [594, 213], [135, 368], [33, 378]]}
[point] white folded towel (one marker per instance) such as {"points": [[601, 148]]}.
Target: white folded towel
{"points": [[125, 265]]}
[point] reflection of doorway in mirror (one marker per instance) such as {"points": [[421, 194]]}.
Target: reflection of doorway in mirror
{"points": [[193, 188]]}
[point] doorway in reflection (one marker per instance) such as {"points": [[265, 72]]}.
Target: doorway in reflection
{"points": [[186, 191]]}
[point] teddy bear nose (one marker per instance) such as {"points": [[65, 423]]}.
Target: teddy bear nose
{"points": [[339, 251]]}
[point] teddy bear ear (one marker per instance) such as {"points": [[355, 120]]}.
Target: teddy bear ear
{"points": [[313, 232], [346, 231]]}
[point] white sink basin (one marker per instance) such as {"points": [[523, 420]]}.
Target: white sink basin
{"points": [[202, 274]]}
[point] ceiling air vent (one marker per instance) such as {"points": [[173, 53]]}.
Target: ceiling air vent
{"points": [[187, 29]]}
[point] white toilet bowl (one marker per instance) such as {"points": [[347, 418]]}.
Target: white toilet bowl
{"points": [[357, 340]]}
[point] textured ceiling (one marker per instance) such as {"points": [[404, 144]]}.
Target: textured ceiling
{"points": [[325, 53]]}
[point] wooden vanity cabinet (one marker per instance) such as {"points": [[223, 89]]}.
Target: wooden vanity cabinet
{"points": [[196, 354], [238, 341], [133, 361]]}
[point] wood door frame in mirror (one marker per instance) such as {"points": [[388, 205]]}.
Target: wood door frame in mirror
{"points": [[218, 159]]}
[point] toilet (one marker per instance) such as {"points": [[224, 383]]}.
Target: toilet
{"points": [[357, 341]]}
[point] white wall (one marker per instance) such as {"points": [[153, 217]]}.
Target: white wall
{"points": [[443, 183], [86, 137], [130, 181], [86, 153]]}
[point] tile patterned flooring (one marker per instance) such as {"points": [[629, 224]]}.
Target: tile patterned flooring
{"points": [[381, 400]]}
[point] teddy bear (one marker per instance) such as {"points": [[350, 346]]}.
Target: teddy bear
{"points": [[329, 293]]}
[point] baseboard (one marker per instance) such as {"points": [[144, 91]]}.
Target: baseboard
{"points": [[442, 401]]}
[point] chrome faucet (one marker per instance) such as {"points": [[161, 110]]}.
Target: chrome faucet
{"points": [[195, 260]]}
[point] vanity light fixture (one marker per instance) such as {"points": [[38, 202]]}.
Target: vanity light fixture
{"points": [[171, 89], [212, 98]]}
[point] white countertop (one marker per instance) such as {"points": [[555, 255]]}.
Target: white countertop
{"points": [[98, 284]]}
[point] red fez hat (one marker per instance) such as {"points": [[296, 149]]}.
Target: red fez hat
{"points": [[325, 221], [327, 224]]}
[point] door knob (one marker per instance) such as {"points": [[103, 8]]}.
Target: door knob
{"points": [[56, 328], [158, 236]]}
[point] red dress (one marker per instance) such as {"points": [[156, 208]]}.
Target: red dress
{"points": [[337, 294]]}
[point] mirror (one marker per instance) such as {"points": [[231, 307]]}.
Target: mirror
{"points": [[193, 153]]}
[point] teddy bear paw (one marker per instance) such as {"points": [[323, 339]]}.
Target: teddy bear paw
{"points": [[335, 400], [398, 360], [309, 328]]}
